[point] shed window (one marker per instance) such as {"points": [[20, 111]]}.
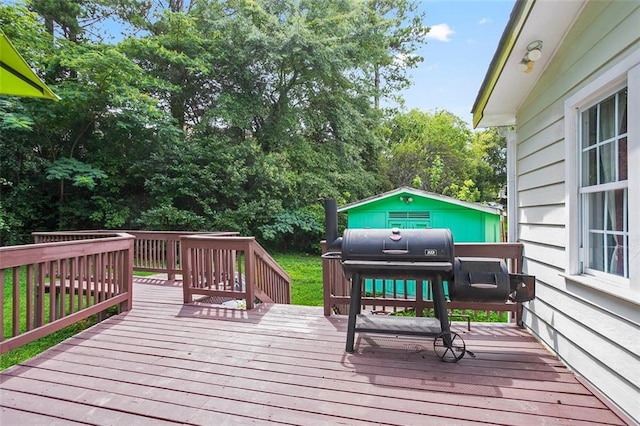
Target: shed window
{"points": [[410, 219], [604, 185], [409, 215]]}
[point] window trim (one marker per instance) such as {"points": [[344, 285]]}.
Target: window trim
{"points": [[624, 73], [599, 188]]}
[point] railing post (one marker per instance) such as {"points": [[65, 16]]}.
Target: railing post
{"points": [[249, 267], [419, 309], [127, 280], [171, 258], [185, 262], [327, 279]]}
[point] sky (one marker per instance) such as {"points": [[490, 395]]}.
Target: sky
{"points": [[463, 38]]}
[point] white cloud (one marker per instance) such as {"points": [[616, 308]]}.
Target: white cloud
{"points": [[432, 67], [440, 32], [484, 21]]}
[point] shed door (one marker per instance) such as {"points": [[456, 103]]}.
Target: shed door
{"points": [[410, 220]]}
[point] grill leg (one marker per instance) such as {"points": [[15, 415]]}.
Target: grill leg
{"points": [[440, 303], [354, 310], [448, 346]]}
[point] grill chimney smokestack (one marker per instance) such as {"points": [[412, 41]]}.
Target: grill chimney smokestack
{"points": [[331, 225]]}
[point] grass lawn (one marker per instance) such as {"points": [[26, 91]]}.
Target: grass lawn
{"points": [[305, 271]]}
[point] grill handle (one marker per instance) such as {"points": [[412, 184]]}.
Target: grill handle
{"points": [[483, 280], [391, 251], [332, 255]]}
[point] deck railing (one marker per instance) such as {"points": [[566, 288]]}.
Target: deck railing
{"points": [[159, 251], [337, 288], [68, 276], [153, 251], [55, 284], [231, 268]]}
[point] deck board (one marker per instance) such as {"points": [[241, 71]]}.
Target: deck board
{"points": [[169, 363]]}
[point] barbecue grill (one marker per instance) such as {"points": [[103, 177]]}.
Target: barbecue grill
{"points": [[421, 255]]}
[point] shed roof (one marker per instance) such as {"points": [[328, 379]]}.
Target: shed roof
{"points": [[420, 193]]}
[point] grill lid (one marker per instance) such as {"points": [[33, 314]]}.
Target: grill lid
{"points": [[397, 252], [400, 245]]}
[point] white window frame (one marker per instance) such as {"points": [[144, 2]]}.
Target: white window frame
{"points": [[624, 73], [601, 188]]}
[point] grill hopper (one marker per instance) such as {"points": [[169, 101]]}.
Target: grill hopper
{"points": [[479, 279]]}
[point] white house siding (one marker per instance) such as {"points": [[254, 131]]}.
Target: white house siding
{"points": [[595, 333]]}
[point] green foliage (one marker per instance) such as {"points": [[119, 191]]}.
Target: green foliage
{"points": [[392, 32], [295, 230], [462, 314], [110, 213], [489, 159], [432, 146], [81, 174], [13, 121], [170, 218], [221, 115], [438, 153], [435, 172], [466, 192]]}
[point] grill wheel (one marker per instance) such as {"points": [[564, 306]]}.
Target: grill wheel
{"points": [[449, 346]]}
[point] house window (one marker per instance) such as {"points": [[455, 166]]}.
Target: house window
{"points": [[604, 186], [602, 181]]}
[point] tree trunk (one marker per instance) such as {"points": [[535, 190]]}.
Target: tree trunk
{"points": [[376, 84]]}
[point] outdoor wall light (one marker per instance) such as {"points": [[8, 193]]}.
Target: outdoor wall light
{"points": [[534, 52], [407, 200]]}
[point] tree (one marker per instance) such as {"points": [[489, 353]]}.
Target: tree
{"points": [[93, 138], [229, 114], [489, 162], [395, 32], [22, 208], [431, 149]]}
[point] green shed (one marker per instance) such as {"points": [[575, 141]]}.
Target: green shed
{"points": [[406, 207]]}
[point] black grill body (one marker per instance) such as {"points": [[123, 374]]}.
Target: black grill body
{"points": [[420, 254], [393, 252]]}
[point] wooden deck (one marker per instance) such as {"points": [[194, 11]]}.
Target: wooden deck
{"points": [[167, 363]]}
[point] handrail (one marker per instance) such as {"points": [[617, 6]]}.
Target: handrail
{"points": [[336, 287], [232, 268], [62, 283], [154, 251], [271, 278], [58, 236]]}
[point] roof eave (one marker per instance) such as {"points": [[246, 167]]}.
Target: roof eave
{"points": [[518, 17]]}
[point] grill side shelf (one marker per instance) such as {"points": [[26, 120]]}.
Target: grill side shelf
{"points": [[411, 326]]}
